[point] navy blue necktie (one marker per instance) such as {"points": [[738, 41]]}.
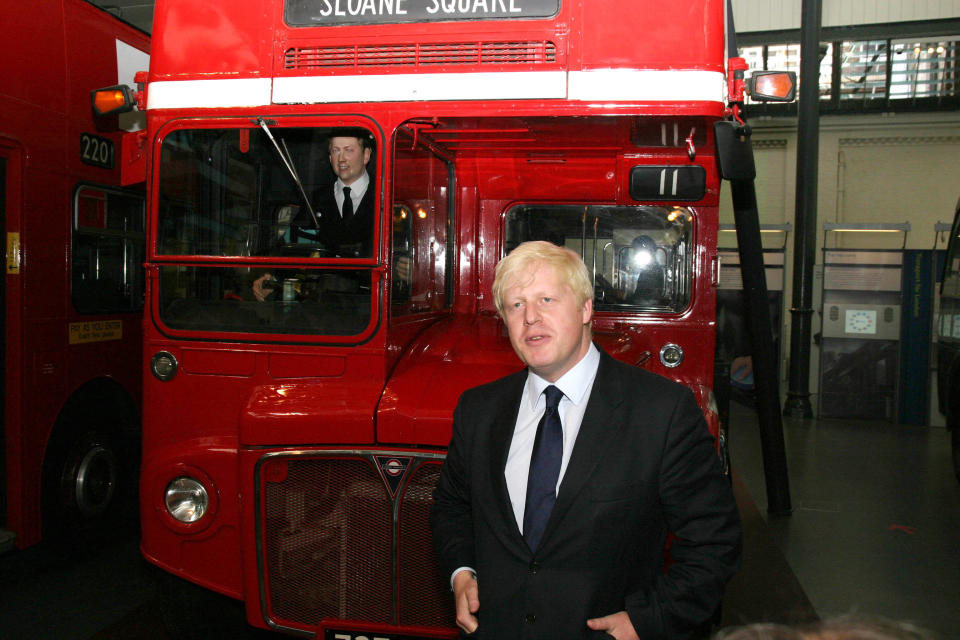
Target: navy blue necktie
{"points": [[544, 471], [347, 209]]}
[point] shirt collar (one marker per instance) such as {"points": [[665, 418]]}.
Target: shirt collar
{"points": [[359, 186], [574, 383]]}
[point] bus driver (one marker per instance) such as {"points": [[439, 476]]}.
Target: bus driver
{"points": [[345, 208]]}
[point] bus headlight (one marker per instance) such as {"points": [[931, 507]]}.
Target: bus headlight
{"points": [[186, 499], [671, 355]]}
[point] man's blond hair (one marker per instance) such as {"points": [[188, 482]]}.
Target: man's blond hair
{"points": [[520, 265]]}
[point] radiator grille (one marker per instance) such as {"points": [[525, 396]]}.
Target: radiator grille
{"points": [[328, 536], [527, 52], [425, 596]]}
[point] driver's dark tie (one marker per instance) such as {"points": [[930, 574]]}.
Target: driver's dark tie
{"points": [[544, 470], [347, 210]]}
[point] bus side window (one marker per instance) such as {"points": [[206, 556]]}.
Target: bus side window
{"points": [[108, 251], [421, 233], [402, 237]]}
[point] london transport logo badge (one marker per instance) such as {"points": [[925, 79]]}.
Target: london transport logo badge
{"points": [[393, 469]]}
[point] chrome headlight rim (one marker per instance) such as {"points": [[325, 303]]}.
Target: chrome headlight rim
{"points": [[186, 500], [164, 366], [162, 482], [671, 355]]}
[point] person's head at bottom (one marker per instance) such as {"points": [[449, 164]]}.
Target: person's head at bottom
{"points": [[848, 627]]}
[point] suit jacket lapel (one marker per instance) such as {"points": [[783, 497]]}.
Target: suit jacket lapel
{"points": [[501, 435], [597, 431]]}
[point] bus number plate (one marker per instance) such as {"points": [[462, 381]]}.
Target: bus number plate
{"points": [[96, 151], [335, 634]]}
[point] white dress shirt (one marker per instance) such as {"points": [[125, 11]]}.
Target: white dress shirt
{"points": [[357, 190], [576, 385]]}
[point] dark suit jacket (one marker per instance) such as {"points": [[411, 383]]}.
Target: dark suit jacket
{"points": [[644, 463], [352, 238]]}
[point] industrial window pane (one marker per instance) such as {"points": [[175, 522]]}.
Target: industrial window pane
{"points": [[863, 75], [874, 72], [784, 57], [756, 61], [826, 70], [923, 69]]}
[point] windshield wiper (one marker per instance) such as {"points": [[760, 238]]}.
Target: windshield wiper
{"points": [[288, 163]]}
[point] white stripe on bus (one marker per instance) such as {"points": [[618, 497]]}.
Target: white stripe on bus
{"points": [[604, 84], [404, 87], [647, 85], [208, 94]]}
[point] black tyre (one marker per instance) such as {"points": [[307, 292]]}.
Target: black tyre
{"points": [[90, 477], [89, 486]]}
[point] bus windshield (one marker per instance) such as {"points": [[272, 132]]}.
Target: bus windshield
{"points": [[259, 192], [640, 257]]}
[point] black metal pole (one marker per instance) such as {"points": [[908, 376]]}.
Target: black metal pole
{"points": [[736, 164], [805, 241], [764, 356]]}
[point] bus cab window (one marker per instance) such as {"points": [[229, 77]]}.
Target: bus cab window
{"points": [[640, 257], [645, 263]]}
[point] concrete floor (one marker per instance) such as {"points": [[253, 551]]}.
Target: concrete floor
{"points": [[49, 593], [875, 530], [875, 527]]}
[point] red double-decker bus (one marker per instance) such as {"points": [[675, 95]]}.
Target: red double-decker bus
{"points": [[299, 385], [73, 289]]}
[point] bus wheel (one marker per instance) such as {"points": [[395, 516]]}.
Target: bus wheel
{"points": [[83, 480], [90, 476]]}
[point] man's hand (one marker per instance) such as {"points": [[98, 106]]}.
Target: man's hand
{"points": [[617, 625], [260, 289], [465, 596]]}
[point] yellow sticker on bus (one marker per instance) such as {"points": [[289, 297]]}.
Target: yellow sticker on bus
{"points": [[95, 331], [13, 253]]}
